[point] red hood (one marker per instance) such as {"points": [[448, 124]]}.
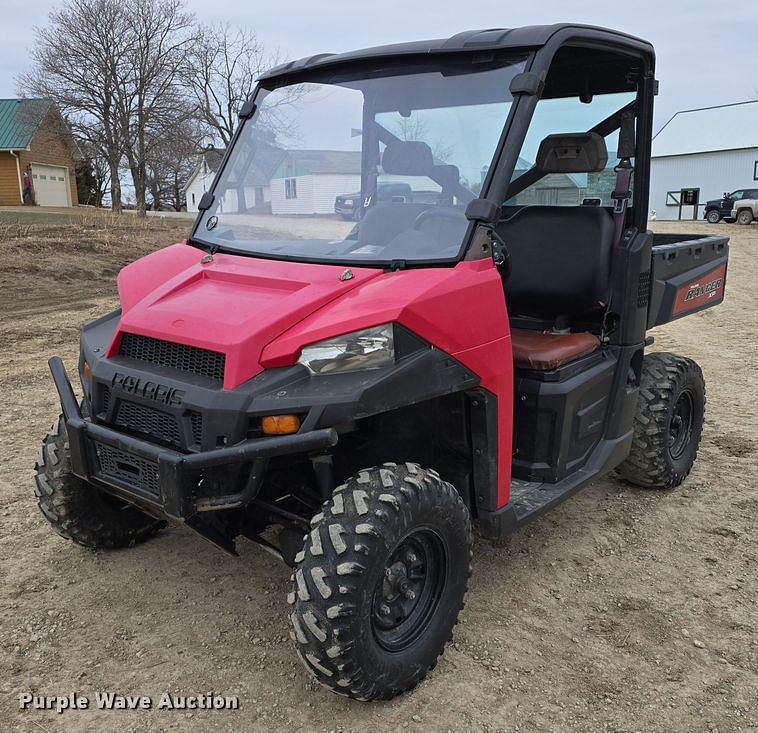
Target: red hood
{"points": [[235, 304]]}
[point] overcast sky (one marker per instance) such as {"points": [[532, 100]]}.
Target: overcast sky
{"points": [[706, 50]]}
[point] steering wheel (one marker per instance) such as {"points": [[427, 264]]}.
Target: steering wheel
{"points": [[434, 212]]}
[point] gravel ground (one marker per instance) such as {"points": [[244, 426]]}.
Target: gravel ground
{"points": [[621, 610]]}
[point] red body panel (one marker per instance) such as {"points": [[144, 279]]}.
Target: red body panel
{"points": [[697, 293], [260, 313], [235, 305]]}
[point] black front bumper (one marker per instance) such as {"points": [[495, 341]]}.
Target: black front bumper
{"points": [[164, 479]]}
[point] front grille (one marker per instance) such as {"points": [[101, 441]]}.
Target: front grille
{"points": [[131, 470], [181, 357], [149, 422], [105, 398], [196, 420]]}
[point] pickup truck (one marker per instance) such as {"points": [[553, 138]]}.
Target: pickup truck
{"points": [[718, 209], [348, 205], [745, 210]]}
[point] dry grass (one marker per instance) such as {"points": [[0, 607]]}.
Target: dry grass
{"points": [[91, 231], [59, 256]]}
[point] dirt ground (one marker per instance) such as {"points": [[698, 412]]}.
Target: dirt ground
{"points": [[621, 610]]}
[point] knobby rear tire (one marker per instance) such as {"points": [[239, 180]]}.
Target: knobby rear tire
{"points": [[667, 379]]}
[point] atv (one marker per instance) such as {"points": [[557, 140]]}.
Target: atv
{"points": [[355, 396]]}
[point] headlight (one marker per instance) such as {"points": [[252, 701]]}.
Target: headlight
{"points": [[371, 348]]}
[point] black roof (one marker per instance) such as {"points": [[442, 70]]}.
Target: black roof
{"points": [[531, 36], [213, 157]]}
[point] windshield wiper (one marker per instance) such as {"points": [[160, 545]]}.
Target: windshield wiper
{"points": [[396, 265]]}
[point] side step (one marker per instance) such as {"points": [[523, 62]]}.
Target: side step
{"points": [[530, 498]]}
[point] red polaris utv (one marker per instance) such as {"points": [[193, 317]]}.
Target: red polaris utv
{"points": [[353, 395]]}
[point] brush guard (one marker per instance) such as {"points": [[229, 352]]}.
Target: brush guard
{"points": [[162, 478]]}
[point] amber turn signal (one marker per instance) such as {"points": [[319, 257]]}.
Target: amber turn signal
{"points": [[86, 372], [280, 424]]}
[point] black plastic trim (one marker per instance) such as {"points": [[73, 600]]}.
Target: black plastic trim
{"points": [[178, 488], [483, 210], [527, 82], [247, 110], [525, 37], [206, 201]]}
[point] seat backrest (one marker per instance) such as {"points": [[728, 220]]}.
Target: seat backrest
{"points": [[560, 259]]}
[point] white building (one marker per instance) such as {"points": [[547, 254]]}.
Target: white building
{"points": [[308, 181], [250, 193], [714, 149], [200, 181]]}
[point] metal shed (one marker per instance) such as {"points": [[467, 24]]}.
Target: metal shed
{"points": [[712, 149]]}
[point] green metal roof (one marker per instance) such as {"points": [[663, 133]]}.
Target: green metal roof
{"points": [[19, 119]]}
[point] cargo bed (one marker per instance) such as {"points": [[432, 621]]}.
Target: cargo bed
{"points": [[688, 274]]}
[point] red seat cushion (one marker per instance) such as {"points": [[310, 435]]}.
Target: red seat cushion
{"points": [[545, 350]]}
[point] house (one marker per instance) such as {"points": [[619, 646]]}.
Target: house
{"points": [[201, 179], [308, 181], [555, 189], [713, 149], [36, 145], [254, 195]]}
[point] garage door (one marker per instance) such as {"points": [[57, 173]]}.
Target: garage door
{"points": [[50, 185]]}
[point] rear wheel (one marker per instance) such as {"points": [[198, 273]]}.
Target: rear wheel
{"points": [[78, 510], [380, 581], [744, 216], [713, 216], [668, 423]]}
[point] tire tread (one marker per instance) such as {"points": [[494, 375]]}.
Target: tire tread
{"points": [[369, 503], [74, 508], [663, 376]]}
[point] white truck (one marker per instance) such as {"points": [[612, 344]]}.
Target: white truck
{"points": [[745, 211]]}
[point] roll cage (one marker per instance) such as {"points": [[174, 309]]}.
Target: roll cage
{"points": [[562, 60]]}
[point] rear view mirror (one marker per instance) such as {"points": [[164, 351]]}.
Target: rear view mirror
{"points": [[408, 158]]}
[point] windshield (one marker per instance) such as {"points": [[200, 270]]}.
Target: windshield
{"points": [[369, 168]]}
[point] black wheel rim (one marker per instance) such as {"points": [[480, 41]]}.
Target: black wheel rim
{"points": [[680, 425], [407, 595]]}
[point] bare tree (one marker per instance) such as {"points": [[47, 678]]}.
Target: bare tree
{"points": [[92, 176], [171, 165], [224, 65], [129, 74], [417, 129], [78, 61], [152, 100], [115, 70]]}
